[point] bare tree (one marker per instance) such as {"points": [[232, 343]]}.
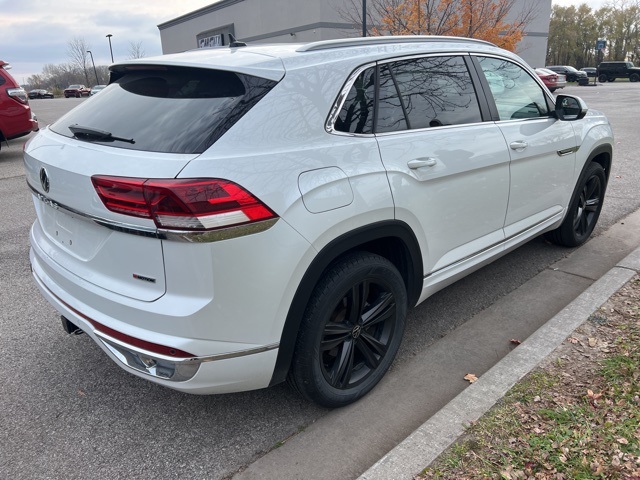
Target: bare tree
{"points": [[77, 53], [136, 50], [351, 13]]}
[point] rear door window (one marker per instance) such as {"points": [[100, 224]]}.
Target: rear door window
{"points": [[166, 109], [426, 92]]}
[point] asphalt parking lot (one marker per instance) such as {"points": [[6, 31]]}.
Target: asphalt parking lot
{"points": [[69, 412]]}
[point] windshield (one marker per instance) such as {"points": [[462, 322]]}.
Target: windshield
{"points": [[166, 109]]}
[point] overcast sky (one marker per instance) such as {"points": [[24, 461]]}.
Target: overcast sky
{"points": [[36, 32]]}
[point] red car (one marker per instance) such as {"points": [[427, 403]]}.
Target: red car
{"points": [[76, 91], [16, 118], [551, 79]]}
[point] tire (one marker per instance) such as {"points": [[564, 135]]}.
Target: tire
{"points": [[634, 77], [584, 209], [602, 78], [611, 79], [342, 352]]}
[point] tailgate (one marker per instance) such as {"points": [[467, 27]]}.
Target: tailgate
{"points": [[70, 216]]}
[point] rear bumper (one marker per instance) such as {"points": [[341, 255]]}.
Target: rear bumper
{"points": [[17, 127], [239, 368]]}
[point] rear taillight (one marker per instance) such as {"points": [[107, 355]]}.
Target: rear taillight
{"points": [[182, 204], [18, 94]]}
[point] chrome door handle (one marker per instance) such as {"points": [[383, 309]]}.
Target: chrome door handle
{"points": [[519, 145], [422, 162]]}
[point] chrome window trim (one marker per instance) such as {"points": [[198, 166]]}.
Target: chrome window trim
{"points": [[430, 129], [329, 125], [520, 120], [161, 233], [444, 53]]}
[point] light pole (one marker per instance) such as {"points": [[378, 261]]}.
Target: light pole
{"points": [[94, 67], [110, 49], [364, 18]]}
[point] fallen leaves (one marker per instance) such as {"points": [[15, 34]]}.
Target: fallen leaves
{"points": [[471, 378], [574, 418]]}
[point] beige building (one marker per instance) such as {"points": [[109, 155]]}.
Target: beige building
{"points": [[272, 21]]}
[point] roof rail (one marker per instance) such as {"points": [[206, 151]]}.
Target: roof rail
{"points": [[365, 41]]}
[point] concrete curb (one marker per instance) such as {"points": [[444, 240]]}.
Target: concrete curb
{"points": [[427, 442]]}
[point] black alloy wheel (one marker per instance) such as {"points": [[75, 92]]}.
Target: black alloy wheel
{"points": [[357, 336], [584, 209], [351, 331], [603, 78], [589, 205]]}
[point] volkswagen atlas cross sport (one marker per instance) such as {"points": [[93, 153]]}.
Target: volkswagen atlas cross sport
{"points": [[225, 219]]}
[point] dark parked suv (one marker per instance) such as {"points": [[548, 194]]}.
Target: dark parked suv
{"points": [[572, 74], [16, 118], [609, 71]]}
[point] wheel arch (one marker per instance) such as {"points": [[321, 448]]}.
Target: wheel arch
{"points": [[391, 239], [602, 154]]}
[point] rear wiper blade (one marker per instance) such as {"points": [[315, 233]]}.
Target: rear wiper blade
{"points": [[93, 134]]}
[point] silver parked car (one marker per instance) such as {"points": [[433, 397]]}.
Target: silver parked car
{"points": [[96, 89]]}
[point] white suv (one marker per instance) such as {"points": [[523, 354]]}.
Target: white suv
{"points": [[224, 219]]}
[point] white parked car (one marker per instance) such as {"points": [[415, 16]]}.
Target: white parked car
{"points": [[229, 218], [96, 89]]}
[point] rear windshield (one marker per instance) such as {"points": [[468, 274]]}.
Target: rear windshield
{"points": [[160, 109]]}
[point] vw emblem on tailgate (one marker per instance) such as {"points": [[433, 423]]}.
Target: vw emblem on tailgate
{"points": [[44, 180]]}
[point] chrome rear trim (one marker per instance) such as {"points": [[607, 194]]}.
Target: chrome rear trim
{"points": [[165, 367], [207, 358]]}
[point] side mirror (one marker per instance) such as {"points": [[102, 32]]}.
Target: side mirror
{"points": [[570, 108]]}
